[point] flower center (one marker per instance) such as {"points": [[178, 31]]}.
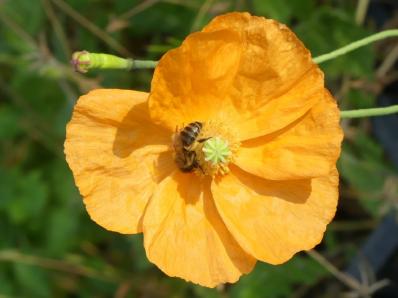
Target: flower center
{"points": [[205, 148]]}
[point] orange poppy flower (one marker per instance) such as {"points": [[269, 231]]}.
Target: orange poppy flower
{"points": [[259, 181]]}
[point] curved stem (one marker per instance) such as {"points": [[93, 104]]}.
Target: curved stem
{"points": [[355, 45], [369, 112]]}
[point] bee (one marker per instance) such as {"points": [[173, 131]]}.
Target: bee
{"points": [[185, 143]]}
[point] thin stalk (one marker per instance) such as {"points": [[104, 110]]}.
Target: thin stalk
{"points": [[369, 112], [341, 276], [355, 45], [138, 64], [108, 274], [360, 13]]}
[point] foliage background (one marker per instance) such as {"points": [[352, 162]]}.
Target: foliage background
{"points": [[48, 245]]}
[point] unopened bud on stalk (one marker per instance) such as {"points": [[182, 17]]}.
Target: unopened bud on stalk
{"points": [[83, 61]]}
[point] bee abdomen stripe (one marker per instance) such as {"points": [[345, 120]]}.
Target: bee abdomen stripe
{"points": [[198, 125]]}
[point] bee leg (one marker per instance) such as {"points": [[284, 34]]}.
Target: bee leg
{"points": [[200, 167], [203, 140], [190, 161], [194, 163]]}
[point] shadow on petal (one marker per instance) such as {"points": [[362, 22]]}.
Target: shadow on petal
{"points": [[241, 260], [298, 191], [273, 220], [185, 236], [136, 131], [190, 188], [164, 165]]}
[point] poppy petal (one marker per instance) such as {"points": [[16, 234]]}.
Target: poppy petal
{"points": [[307, 148], [116, 156], [189, 82], [273, 220], [185, 236], [250, 72]]}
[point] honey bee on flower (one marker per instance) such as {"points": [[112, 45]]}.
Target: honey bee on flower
{"points": [[185, 144], [249, 176]]}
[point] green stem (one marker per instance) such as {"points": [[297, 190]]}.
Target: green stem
{"points": [[369, 112], [355, 45], [137, 64]]}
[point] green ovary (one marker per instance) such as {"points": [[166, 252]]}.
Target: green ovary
{"points": [[216, 151]]}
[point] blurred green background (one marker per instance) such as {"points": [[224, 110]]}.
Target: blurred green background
{"points": [[48, 245]]}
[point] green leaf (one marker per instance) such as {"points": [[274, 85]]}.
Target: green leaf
{"points": [[63, 188], [362, 165], [7, 285], [25, 195], [32, 281], [140, 261], [206, 292], [284, 10], [18, 10], [279, 10], [9, 123], [176, 21], [61, 231], [358, 99], [301, 9]]}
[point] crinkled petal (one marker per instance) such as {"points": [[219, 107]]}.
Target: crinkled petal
{"points": [[250, 72], [273, 220], [307, 148], [190, 82], [185, 236], [116, 155]]}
